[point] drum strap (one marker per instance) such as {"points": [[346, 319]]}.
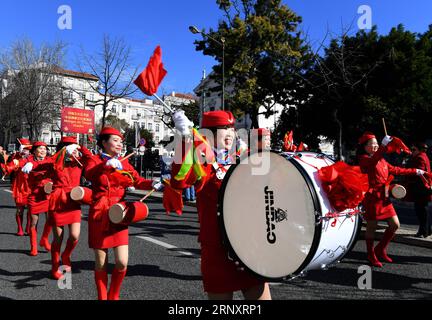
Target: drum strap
{"points": [[300, 159]]}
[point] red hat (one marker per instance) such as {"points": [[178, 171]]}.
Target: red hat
{"points": [[110, 131], [39, 144], [366, 137], [214, 119], [69, 139]]}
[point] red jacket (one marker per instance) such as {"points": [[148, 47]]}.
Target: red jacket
{"points": [[416, 187], [37, 178]]}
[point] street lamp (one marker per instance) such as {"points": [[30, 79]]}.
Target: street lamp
{"points": [[220, 42]]}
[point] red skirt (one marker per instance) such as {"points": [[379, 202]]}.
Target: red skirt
{"points": [[378, 209], [220, 275], [37, 205], [102, 234], [64, 218]]}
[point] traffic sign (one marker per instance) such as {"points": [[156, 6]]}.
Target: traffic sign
{"points": [[143, 142]]}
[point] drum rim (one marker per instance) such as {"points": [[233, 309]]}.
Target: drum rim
{"points": [[318, 224]]}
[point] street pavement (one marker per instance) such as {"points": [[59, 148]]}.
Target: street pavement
{"points": [[164, 265]]}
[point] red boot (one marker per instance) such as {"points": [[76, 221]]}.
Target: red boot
{"points": [[33, 241], [371, 254], [44, 242], [66, 255], [28, 224], [116, 281], [101, 278], [55, 261], [381, 248], [20, 231]]}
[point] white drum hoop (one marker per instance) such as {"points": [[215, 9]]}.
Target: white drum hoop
{"points": [[232, 255]]}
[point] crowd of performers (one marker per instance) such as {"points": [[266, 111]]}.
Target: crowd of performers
{"points": [[110, 177]]}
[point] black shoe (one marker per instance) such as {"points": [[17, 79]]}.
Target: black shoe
{"points": [[419, 235]]}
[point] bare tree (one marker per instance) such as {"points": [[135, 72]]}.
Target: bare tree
{"points": [[112, 66], [33, 88]]}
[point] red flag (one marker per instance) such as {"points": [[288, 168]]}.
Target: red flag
{"points": [[397, 145], [150, 79], [301, 147], [289, 142]]}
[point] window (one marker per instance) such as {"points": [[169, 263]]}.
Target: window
{"points": [[157, 127], [70, 96], [83, 96], [114, 109], [157, 139], [124, 109], [92, 97], [150, 126]]}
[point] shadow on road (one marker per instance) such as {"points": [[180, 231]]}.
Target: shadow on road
{"points": [[26, 278]]}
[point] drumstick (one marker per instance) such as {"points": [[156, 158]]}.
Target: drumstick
{"points": [[127, 157], [77, 161], [385, 128], [147, 195]]}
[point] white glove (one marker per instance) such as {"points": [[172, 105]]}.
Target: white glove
{"points": [[386, 140], [182, 123], [115, 163], [166, 176], [157, 185], [27, 168], [21, 148], [131, 189], [420, 172], [71, 148]]}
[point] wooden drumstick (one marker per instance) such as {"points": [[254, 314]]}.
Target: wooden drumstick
{"points": [[79, 163], [127, 157], [147, 195], [385, 128]]}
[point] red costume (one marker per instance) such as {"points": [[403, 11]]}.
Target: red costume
{"points": [[109, 187], [220, 275], [38, 199], [376, 202]]}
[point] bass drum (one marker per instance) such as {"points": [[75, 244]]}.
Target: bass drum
{"points": [[274, 216]]}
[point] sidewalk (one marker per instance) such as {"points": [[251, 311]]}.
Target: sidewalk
{"points": [[404, 235]]}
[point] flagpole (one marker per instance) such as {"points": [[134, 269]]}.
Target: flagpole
{"points": [[163, 103]]}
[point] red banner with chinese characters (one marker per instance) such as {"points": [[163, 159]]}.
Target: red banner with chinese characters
{"points": [[77, 121]]}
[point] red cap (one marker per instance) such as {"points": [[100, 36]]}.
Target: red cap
{"points": [[366, 137], [218, 118], [39, 144], [110, 131], [24, 142], [69, 139]]}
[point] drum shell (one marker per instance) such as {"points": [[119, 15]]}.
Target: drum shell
{"points": [[132, 212], [85, 195]]}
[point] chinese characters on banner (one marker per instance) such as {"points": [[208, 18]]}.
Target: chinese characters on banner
{"points": [[77, 121]]}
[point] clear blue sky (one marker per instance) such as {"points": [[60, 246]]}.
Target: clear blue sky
{"points": [[145, 24]]}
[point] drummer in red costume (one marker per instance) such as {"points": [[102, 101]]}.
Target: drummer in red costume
{"points": [[377, 202], [110, 177], [20, 188], [38, 168], [63, 210], [221, 277]]}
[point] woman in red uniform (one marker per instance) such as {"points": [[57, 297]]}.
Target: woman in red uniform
{"points": [[63, 210], [38, 167], [377, 203], [110, 177], [20, 188], [221, 276]]}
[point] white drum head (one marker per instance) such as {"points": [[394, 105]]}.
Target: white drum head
{"points": [[77, 194], [272, 240], [398, 191], [48, 187], [117, 213]]}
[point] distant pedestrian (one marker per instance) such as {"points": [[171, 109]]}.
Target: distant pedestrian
{"points": [[417, 191]]}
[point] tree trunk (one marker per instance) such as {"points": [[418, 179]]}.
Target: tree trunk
{"points": [[339, 136]]}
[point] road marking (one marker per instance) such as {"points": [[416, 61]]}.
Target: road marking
{"points": [[7, 190], [167, 245]]}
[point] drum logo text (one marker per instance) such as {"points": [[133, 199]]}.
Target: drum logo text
{"points": [[270, 215]]}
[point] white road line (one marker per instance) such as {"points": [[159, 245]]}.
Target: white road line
{"points": [[6, 190], [166, 245]]}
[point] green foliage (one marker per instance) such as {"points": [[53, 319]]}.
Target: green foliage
{"points": [[264, 54]]}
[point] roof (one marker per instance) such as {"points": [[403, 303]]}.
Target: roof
{"points": [[75, 74]]}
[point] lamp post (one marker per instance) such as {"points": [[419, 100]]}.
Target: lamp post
{"points": [[220, 42]]}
